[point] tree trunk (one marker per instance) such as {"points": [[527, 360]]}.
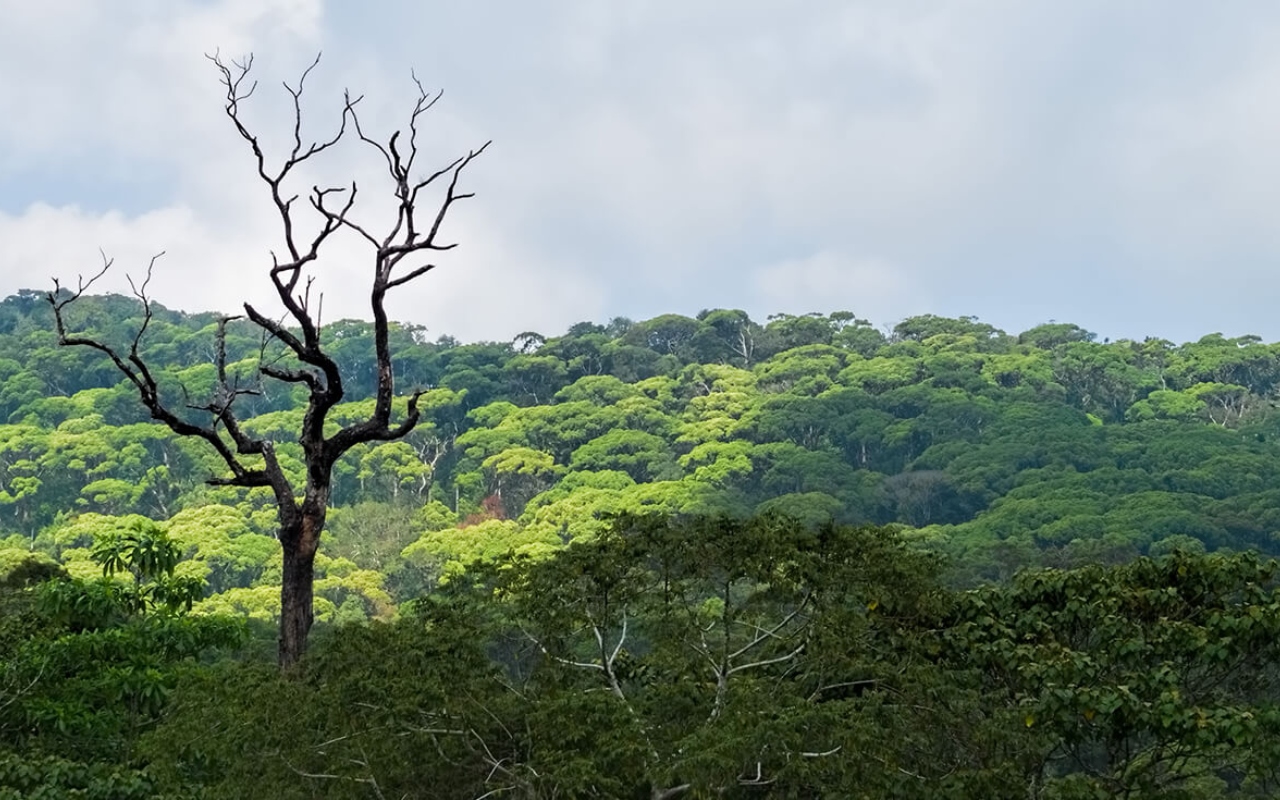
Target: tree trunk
{"points": [[297, 588]]}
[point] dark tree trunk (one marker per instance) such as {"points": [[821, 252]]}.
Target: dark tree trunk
{"points": [[296, 603], [299, 541]]}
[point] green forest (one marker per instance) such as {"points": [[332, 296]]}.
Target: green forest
{"points": [[680, 557]]}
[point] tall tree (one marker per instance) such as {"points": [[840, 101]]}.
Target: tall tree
{"points": [[398, 254]]}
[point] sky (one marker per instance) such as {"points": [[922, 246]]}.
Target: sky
{"points": [[1114, 165]]}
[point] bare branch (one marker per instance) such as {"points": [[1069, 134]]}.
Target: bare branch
{"points": [[296, 94], [136, 371], [822, 754], [424, 269], [285, 274], [566, 661], [766, 661], [622, 637], [17, 694], [290, 375], [451, 197], [771, 633]]}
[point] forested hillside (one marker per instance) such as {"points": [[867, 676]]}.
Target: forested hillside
{"points": [[698, 556], [1002, 451]]}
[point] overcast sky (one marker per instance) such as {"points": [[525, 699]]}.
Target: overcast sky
{"points": [[1112, 164]]}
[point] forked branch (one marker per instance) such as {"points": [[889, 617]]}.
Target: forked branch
{"points": [[135, 369]]}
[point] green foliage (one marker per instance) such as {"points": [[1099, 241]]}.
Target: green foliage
{"points": [[448, 553], [413, 726], [1148, 678], [698, 656], [27, 777], [1048, 449], [87, 664], [713, 656], [19, 568], [142, 550], [576, 675], [944, 425]]}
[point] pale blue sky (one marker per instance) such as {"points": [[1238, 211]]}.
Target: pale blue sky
{"points": [[1112, 164]]}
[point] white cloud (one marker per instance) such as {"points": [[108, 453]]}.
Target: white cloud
{"points": [[130, 80], [1013, 155], [494, 290], [157, 99], [46, 242]]}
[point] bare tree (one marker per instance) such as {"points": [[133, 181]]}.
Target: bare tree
{"points": [[398, 255]]}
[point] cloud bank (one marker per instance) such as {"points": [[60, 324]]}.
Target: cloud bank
{"points": [[1109, 165]]}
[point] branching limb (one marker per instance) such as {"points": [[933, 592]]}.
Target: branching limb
{"points": [[566, 661], [405, 236], [134, 368], [286, 273], [764, 662], [771, 633]]}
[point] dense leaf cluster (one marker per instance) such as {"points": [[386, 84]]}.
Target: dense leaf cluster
{"points": [[668, 659], [1043, 448], [678, 557]]}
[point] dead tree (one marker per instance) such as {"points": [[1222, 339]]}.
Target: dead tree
{"points": [[399, 254]]}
